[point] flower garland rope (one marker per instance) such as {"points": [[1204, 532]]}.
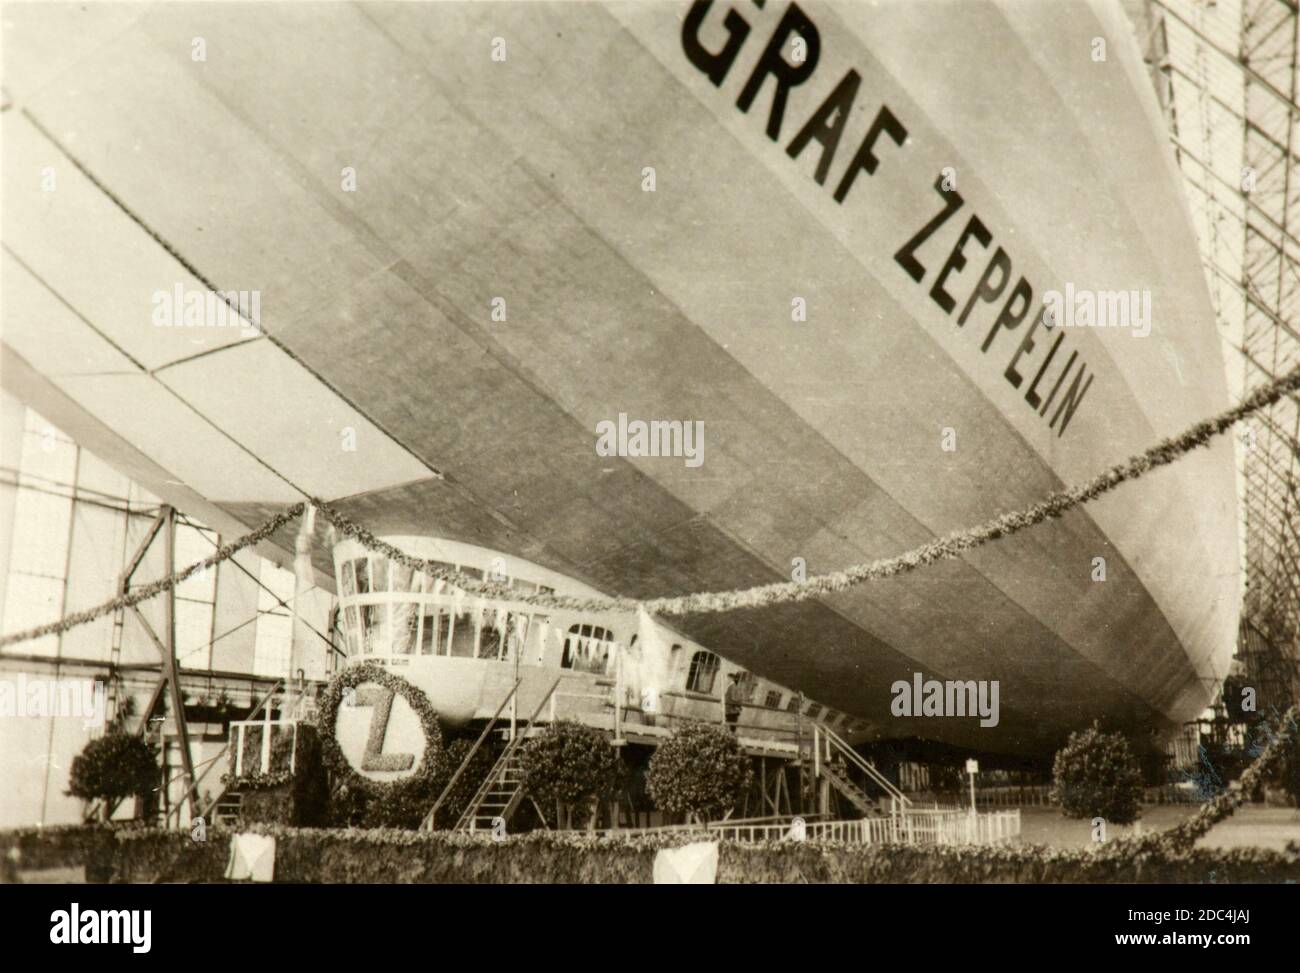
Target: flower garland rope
{"points": [[473, 586], [1051, 508], [1182, 837], [943, 548], [136, 595], [949, 546]]}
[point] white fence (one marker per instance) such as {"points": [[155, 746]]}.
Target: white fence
{"points": [[1039, 795], [263, 746], [948, 827], [917, 826]]}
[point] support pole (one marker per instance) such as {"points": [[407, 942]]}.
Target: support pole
{"points": [[618, 694], [169, 661], [301, 636]]}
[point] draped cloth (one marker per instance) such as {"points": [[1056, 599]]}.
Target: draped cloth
{"points": [[252, 856], [693, 864], [647, 663]]}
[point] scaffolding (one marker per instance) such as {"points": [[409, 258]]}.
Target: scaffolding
{"points": [[1225, 74]]}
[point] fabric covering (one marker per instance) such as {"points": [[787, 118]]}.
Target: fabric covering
{"points": [[252, 856], [694, 864]]}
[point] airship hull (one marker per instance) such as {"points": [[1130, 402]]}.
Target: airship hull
{"points": [[836, 275]]}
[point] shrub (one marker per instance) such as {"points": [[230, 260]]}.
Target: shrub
{"points": [[1290, 775], [572, 764], [114, 766], [1182, 837], [1096, 776], [700, 772], [401, 806], [62, 846]]}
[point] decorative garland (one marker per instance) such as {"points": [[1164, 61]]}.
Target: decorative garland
{"points": [[1181, 838], [427, 769], [761, 596], [943, 548], [257, 782], [473, 586], [280, 753], [155, 588]]}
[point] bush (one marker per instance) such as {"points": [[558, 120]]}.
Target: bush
{"points": [[1096, 776], [1290, 775], [61, 846], [114, 766], [572, 764], [403, 806], [700, 772]]}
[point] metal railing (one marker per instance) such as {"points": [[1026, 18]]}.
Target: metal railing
{"points": [[204, 812], [911, 827], [428, 823], [207, 766], [828, 744], [924, 826], [1014, 795], [498, 769]]}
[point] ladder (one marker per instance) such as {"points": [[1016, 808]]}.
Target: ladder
{"points": [[502, 784], [226, 811], [502, 789], [498, 795]]}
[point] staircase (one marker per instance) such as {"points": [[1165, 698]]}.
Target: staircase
{"points": [[838, 775], [837, 762], [226, 811], [498, 795], [501, 791]]}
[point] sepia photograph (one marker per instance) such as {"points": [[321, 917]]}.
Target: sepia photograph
{"points": [[650, 442]]}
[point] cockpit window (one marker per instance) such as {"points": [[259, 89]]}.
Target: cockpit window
{"points": [[703, 672], [464, 636], [400, 577]]}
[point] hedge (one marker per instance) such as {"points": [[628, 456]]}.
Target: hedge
{"points": [[61, 846], [399, 856]]}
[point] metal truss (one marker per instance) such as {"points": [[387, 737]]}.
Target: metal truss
{"points": [[1226, 75]]}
